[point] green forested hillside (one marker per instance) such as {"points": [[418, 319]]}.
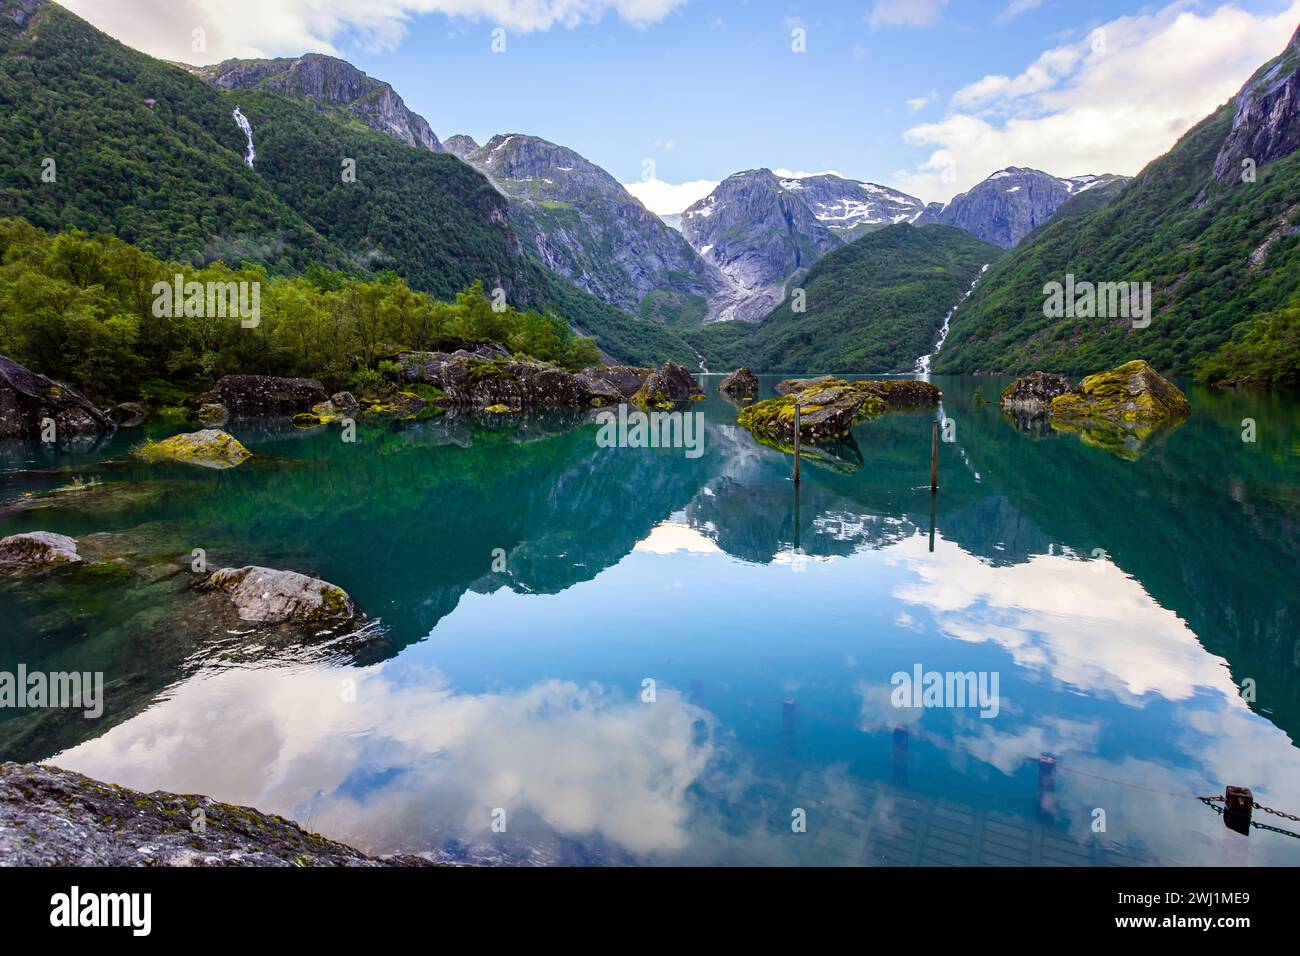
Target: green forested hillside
{"points": [[874, 305], [1218, 257], [147, 152]]}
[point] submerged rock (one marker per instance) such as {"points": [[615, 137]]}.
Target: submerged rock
{"points": [[36, 550], [742, 383], [1034, 392], [270, 596], [251, 396], [668, 386], [54, 817], [210, 448], [28, 400]]}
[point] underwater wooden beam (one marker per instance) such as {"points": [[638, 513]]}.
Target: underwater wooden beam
{"points": [[796, 441], [934, 458]]}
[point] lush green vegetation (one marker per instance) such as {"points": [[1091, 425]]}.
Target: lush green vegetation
{"points": [[1217, 256], [82, 309], [1268, 355], [147, 152], [872, 306]]}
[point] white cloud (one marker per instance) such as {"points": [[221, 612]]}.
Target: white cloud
{"points": [[905, 13], [920, 102], [1017, 7], [164, 28], [663, 198], [800, 174], [1078, 109]]}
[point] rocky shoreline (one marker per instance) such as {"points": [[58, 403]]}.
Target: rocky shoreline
{"points": [[55, 817]]}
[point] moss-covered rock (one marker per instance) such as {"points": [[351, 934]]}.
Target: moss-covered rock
{"points": [[209, 448], [828, 410], [1132, 393], [36, 550], [742, 383], [1034, 392], [1121, 410], [666, 387]]}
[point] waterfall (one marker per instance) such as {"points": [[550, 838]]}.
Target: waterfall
{"points": [[242, 120], [923, 363]]}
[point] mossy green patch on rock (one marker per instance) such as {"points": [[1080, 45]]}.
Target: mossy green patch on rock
{"points": [[209, 448], [828, 409], [1122, 410]]}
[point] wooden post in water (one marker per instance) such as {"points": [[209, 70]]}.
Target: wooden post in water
{"points": [[1047, 785], [1238, 804], [797, 428], [934, 458]]}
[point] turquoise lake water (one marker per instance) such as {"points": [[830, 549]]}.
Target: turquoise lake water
{"points": [[1138, 612]]}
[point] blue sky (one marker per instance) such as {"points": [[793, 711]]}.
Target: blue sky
{"points": [[704, 88]]}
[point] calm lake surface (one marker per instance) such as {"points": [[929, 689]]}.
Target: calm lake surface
{"points": [[1138, 612]]}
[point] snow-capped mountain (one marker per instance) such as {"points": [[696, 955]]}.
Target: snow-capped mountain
{"points": [[849, 207], [1010, 204]]}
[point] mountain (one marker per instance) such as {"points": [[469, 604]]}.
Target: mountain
{"points": [[586, 226], [1010, 204], [849, 208], [760, 235], [1222, 253], [329, 84], [460, 145], [149, 152], [874, 305]]}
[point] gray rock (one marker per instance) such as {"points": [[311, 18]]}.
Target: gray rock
{"points": [[668, 385], [1266, 124], [1034, 392], [28, 399], [343, 401], [742, 383], [54, 817], [270, 596], [460, 145], [327, 83], [483, 378], [212, 413], [1010, 204], [625, 379], [130, 414], [254, 396], [36, 550], [586, 226]]}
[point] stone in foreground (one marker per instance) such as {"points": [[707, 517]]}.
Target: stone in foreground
{"points": [[36, 550], [28, 401], [270, 596], [54, 817], [209, 448], [828, 410]]}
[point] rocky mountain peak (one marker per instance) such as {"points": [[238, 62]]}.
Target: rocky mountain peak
{"points": [[460, 145], [1009, 204], [327, 83], [1266, 124]]}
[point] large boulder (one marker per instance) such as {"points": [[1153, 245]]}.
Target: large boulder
{"points": [[1034, 392], [1134, 392], [210, 448], [54, 817], [256, 396], [902, 392], [36, 550], [828, 410], [625, 379], [667, 386], [28, 399], [742, 383], [484, 378], [1122, 411], [269, 596]]}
